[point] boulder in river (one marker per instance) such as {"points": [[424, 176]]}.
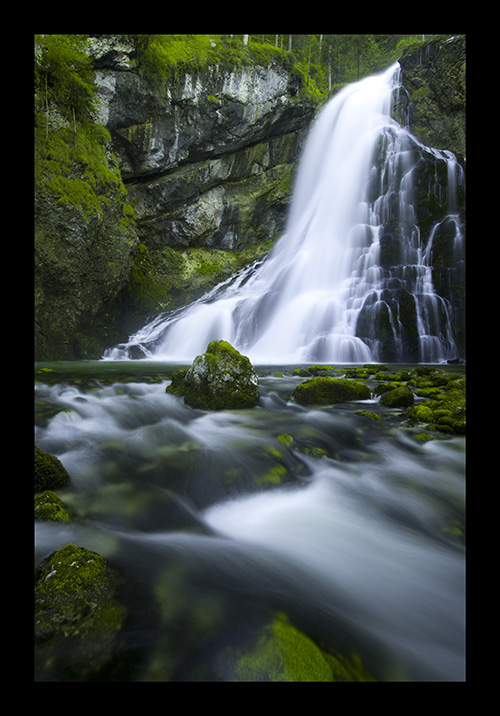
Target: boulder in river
{"points": [[77, 615], [323, 391], [219, 379]]}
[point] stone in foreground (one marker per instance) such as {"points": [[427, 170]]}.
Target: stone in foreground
{"points": [[219, 379]]}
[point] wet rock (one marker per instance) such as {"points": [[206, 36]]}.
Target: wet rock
{"points": [[49, 507], [323, 391], [398, 398], [77, 615], [219, 379], [49, 471]]}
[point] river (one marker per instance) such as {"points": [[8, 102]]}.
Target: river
{"points": [[344, 523]]}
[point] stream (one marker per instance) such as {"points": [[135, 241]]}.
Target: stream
{"points": [[344, 523]]}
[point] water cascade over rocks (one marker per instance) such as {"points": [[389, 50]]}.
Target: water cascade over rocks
{"points": [[352, 278]]}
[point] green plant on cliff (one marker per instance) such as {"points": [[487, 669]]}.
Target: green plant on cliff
{"points": [[166, 57], [73, 162], [63, 77]]}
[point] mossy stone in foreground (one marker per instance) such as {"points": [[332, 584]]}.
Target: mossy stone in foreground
{"points": [[219, 379], [77, 615], [323, 391]]}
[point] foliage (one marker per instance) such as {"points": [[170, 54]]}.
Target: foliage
{"points": [[72, 164], [166, 57], [72, 159], [64, 76], [323, 63]]}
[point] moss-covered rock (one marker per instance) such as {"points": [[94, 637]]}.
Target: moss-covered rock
{"points": [[49, 472], [219, 379], [283, 653], [398, 398], [323, 391], [77, 614], [49, 507], [368, 414]]}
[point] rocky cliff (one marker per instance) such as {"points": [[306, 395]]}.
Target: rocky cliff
{"points": [[207, 164], [434, 75]]}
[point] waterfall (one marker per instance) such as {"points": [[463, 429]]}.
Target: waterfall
{"points": [[351, 278]]}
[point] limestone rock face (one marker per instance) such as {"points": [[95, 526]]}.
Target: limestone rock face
{"points": [[206, 161], [219, 379]]}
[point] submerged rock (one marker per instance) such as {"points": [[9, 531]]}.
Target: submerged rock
{"points": [[77, 615], [49, 507], [283, 653], [322, 391], [219, 379]]}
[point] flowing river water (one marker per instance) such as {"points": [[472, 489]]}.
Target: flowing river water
{"points": [[344, 523]]}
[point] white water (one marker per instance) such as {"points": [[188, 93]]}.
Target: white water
{"points": [[303, 302], [358, 548]]}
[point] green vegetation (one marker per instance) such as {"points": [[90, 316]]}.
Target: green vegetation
{"points": [[50, 473], [50, 508], [77, 616], [73, 162], [283, 653], [323, 391], [323, 63]]}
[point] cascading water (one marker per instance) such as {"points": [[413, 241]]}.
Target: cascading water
{"points": [[351, 279]]}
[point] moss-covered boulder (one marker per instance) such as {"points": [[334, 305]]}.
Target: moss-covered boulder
{"points": [[219, 379], [50, 473], [324, 391], [283, 653], [77, 614], [49, 507], [398, 398]]}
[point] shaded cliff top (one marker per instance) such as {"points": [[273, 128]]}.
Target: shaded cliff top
{"points": [[434, 73]]}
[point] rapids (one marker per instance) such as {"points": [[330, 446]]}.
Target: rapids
{"points": [[355, 543]]}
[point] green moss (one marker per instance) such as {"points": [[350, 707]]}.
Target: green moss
{"points": [[446, 411], [274, 476], [285, 440], [322, 391], [283, 653], [421, 413], [77, 616], [50, 508], [398, 398], [165, 58], [49, 472], [73, 164], [368, 414]]}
